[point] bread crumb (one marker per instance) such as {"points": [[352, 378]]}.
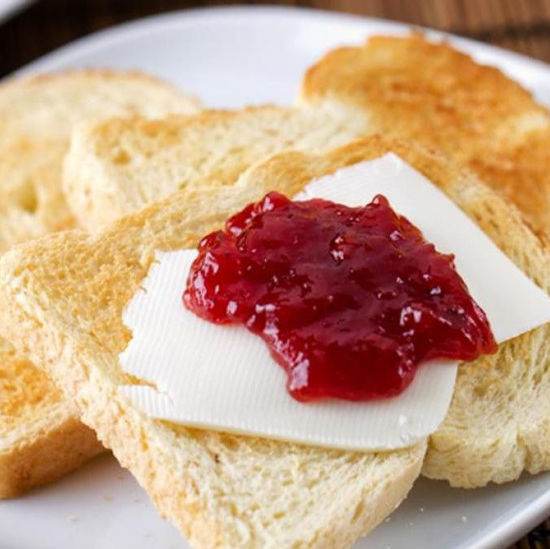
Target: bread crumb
{"points": [[421, 509], [464, 518], [108, 497], [72, 518], [388, 519], [411, 523]]}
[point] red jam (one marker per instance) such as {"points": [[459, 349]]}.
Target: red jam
{"points": [[349, 300]]}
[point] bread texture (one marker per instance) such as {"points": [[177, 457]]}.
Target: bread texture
{"points": [[433, 95], [40, 433], [66, 294], [406, 87], [118, 166], [37, 116], [474, 114], [41, 437]]}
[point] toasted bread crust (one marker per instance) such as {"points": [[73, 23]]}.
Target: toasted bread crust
{"points": [[433, 95], [40, 457], [120, 165], [40, 434]]}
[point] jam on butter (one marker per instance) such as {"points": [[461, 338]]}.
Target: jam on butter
{"points": [[349, 300]]}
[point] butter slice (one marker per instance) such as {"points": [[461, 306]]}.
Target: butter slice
{"points": [[223, 377]]}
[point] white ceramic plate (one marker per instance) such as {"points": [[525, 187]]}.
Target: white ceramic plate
{"points": [[231, 57], [8, 8]]}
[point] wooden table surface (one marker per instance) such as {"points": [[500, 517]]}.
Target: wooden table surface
{"points": [[520, 25]]}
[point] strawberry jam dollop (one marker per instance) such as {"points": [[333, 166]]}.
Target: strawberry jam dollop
{"points": [[349, 300]]}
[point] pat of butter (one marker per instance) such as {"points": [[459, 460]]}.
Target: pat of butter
{"points": [[223, 377]]}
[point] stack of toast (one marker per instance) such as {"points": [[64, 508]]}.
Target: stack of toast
{"points": [[130, 166], [41, 435]]}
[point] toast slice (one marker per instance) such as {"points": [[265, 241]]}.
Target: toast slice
{"points": [[118, 166], [406, 87], [66, 294], [40, 435], [37, 116], [434, 95]]}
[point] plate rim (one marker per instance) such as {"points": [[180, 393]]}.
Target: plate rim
{"points": [[11, 8], [131, 29]]}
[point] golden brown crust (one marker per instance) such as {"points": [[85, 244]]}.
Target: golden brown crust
{"points": [[24, 389], [119, 166], [522, 171], [62, 446], [41, 437], [440, 98]]}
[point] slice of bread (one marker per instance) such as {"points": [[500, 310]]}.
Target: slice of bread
{"points": [[48, 106], [405, 87], [118, 166], [40, 435], [32, 202], [438, 97], [37, 116], [66, 294], [154, 164]]}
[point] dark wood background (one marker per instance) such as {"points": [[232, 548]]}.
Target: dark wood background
{"points": [[520, 25]]}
